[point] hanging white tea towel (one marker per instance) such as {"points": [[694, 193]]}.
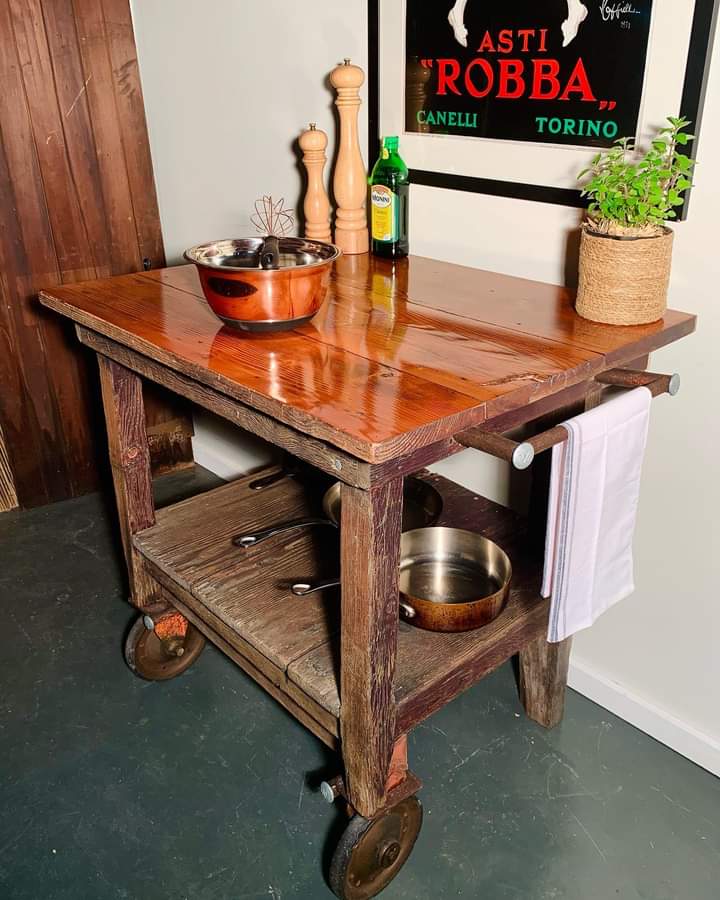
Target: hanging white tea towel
{"points": [[594, 490]]}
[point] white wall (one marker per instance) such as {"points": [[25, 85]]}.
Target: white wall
{"points": [[228, 87], [224, 104]]}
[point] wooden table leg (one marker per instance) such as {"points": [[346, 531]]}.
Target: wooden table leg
{"points": [[130, 460], [543, 680], [370, 557]]}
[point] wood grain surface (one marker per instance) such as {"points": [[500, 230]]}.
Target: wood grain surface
{"points": [[130, 463], [248, 589], [8, 495], [370, 560], [77, 202], [400, 357], [325, 457], [543, 679], [269, 676]]}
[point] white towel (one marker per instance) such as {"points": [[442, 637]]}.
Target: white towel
{"points": [[594, 490]]}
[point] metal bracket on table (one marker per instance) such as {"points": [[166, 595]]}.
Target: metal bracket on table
{"points": [[521, 454], [334, 788]]}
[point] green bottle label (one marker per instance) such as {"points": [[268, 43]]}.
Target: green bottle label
{"points": [[384, 213]]}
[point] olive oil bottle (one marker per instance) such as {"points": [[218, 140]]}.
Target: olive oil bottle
{"points": [[389, 194]]}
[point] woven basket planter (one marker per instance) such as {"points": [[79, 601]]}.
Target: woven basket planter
{"points": [[623, 280]]}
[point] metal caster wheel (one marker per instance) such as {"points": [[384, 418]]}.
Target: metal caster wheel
{"points": [[162, 650], [372, 851]]}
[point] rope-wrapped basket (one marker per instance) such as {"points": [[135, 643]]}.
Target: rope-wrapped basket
{"points": [[623, 279]]}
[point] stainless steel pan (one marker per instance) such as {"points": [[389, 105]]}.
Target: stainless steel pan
{"points": [[450, 579], [422, 505]]}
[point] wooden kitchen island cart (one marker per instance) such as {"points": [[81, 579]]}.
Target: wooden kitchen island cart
{"points": [[405, 365]]}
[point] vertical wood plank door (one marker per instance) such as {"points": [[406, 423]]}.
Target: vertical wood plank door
{"points": [[77, 201], [8, 496]]}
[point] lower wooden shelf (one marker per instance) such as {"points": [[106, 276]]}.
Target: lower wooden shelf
{"points": [[241, 598]]}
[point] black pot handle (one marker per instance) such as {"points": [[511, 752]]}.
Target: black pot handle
{"points": [[270, 253]]}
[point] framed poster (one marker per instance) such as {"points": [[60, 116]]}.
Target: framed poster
{"points": [[515, 98]]}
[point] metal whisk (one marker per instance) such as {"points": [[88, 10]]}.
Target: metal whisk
{"points": [[273, 221]]}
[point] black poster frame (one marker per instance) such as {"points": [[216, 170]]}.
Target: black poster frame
{"points": [[691, 107]]}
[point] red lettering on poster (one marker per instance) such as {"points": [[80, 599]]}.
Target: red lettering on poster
{"points": [[505, 41], [578, 83], [448, 72], [486, 45], [545, 72], [489, 78], [526, 34], [511, 72], [512, 78]]}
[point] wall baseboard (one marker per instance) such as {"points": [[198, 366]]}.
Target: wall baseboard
{"points": [[698, 747]]}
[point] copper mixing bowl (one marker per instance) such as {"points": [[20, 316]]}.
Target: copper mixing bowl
{"points": [[247, 296]]}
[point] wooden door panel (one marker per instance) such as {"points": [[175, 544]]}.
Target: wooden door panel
{"points": [[8, 495], [131, 116], [77, 201]]}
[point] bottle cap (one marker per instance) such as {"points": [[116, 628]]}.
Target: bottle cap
{"points": [[391, 143]]}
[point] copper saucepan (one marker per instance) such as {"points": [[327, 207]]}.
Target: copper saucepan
{"points": [[422, 505], [450, 579]]}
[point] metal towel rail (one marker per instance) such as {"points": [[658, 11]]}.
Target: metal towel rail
{"points": [[521, 454]]}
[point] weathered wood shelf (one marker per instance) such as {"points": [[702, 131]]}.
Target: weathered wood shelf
{"points": [[241, 598]]}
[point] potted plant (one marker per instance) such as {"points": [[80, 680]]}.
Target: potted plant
{"points": [[625, 245]]}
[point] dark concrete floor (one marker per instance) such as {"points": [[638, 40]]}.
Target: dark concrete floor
{"points": [[199, 788]]}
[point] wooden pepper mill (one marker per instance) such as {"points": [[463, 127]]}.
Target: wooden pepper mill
{"points": [[350, 181], [317, 205], [417, 77]]}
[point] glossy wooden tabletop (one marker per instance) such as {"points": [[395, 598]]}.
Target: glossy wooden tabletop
{"points": [[401, 355]]}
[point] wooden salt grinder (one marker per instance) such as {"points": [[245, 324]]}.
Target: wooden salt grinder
{"points": [[317, 205], [350, 181]]}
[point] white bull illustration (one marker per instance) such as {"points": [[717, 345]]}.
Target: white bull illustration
{"points": [[577, 13]]}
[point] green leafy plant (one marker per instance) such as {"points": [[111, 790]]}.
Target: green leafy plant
{"points": [[634, 194]]}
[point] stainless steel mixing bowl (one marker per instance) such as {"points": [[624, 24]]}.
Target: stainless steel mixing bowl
{"points": [[269, 284]]}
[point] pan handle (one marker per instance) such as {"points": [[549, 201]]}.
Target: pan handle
{"points": [[304, 588], [407, 610], [252, 539]]}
